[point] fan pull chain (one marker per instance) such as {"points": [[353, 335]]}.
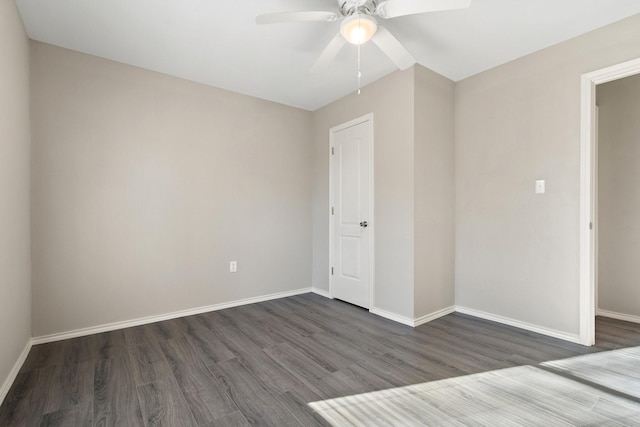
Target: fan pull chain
{"points": [[359, 44], [359, 72]]}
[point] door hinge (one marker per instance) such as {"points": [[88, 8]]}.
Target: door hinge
{"points": [[591, 226], [332, 152], [332, 213], [332, 271]]}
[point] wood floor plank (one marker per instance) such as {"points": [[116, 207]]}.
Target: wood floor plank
{"points": [[344, 331], [169, 329], [186, 365], [108, 345], [487, 356], [258, 404], [145, 355], [254, 360], [211, 348], [80, 415], [115, 398], [43, 355], [72, 381], [296, 401], [232, 420], [202, 392], [259, 333], [208, 405], [289, 318], [447, 358], [338, 384], [163, 404], [297, 364], [309, 346], [23, 404], [71, 384], [398, 373], [370, 380]]}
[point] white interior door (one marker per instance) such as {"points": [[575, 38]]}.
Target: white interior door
{"points": [[351, 211]]}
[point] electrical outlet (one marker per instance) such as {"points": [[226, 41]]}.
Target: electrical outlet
{"points": [[233, 266]]}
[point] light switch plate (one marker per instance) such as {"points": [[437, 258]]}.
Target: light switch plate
{"points": [[540, 186], [233, 266]]}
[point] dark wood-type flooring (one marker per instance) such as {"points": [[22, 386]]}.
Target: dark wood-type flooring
{"points": [[261, 364]]}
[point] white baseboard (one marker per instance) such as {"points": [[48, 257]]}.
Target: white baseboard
{"points": [[618, 316], [433, 316], [392, 316], [321, 292], [14, 371], [159, 318], [575, 338], [412, 322]]}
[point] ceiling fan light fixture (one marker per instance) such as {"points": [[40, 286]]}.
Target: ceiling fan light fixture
{"points": [[358, 29]]}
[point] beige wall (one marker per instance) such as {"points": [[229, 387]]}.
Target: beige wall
{"points": [[390, 99], [145, 186], [434, 193], [619, 196], [15, 269], [517, 253]]}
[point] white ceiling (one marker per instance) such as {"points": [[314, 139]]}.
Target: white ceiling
{"points": [[217, 42]]}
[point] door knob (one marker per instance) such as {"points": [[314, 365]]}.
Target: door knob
{"points": [[363, 224]]}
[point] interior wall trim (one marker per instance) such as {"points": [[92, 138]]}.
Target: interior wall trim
{"points": [[8, 382], [588, 187], [575, 338], [433, 316], [159, 318], [392, 316], [619, 316], [321, 292]]}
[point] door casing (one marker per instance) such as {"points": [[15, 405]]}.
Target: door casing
{"points": [[588, 191]]}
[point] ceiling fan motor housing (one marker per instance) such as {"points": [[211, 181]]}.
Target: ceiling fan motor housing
{"points": [[350, 7]]}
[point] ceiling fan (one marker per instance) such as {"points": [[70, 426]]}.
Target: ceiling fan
{"points": [[359, 24]]}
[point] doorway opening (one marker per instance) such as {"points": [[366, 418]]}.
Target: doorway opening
{"points": [[588, 191]]}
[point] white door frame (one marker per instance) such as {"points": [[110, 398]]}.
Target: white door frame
{"points": [[372, 223], [588, 184]]}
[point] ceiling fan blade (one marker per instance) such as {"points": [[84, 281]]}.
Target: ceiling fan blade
{"points": [[393, 48], [329, 53], [304, 16], [395, 8]]}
